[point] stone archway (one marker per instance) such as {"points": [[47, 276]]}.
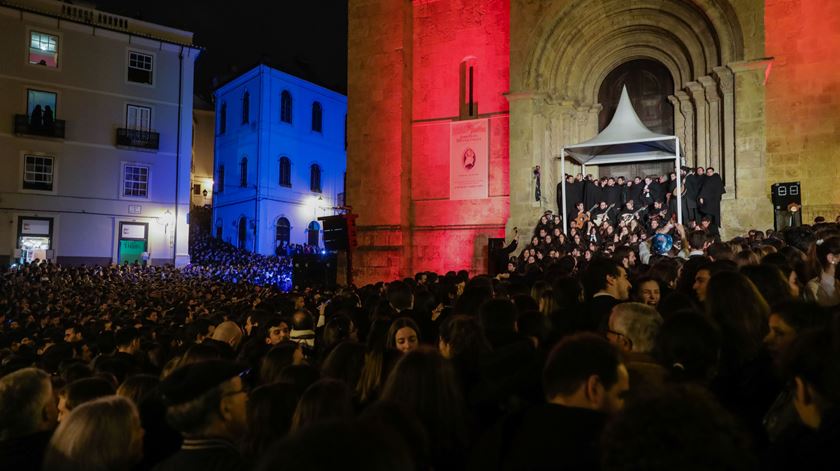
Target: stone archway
{"points": [[578, 43]]}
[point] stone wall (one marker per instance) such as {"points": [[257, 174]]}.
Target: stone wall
{"points": [[803, 101]]}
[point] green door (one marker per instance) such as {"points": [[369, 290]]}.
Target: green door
{"points": [[131, 251]]}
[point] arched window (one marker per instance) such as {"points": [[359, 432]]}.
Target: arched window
{"points": [[221, 185], [243, 231], [282, 231], [222, 118], [312, 233], [243, 172], [317, 113], [315, 178], [246, 108], [219, 228], [286, 107], [285, 172]]}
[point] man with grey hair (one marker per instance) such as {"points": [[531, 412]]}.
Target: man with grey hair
{"points": [[633, 327], [27, 417]]}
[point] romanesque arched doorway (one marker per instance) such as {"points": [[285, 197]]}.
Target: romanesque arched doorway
{"points": [[649, 83]]}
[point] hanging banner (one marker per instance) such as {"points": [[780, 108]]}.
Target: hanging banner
{"points": [[469, 149]]}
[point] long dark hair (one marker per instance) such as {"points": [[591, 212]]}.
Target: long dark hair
{"points": [[741, 313], [425, 382], [270, 411], [324, 400]]}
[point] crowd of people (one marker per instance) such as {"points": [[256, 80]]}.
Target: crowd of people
{"points": [[721, 358], [217, 259]]}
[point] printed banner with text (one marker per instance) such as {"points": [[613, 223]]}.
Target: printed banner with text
{"points": [[469, 147]]}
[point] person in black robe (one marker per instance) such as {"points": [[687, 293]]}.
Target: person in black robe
{"points": [[658, 189], [634, 191], [612, 193], [591, 192], [692, 190], [622, 185], [709, 198]]}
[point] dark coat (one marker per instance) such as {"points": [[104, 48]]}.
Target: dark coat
{"points": [[203, 455], [711, 192], [24, 452], [692, 190], [591, 194], [546, 436]]}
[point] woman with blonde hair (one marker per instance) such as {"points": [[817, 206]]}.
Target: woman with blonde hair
{"points": [[100, 435]]}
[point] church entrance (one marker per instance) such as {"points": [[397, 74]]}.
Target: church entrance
{"points": [[648, 83]]}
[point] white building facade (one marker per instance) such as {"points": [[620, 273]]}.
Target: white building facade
{"points": [[95, 136], [280, 160]]}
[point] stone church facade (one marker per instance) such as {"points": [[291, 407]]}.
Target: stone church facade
{"points": [[749, 86]]}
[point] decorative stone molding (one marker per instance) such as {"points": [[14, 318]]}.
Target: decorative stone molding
{"points": [[726, 80]]}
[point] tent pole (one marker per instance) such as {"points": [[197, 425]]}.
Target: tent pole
{"points": [[562, 210], [679, 184]]}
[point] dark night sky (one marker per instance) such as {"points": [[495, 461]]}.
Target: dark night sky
{"points": [[306, 38]]}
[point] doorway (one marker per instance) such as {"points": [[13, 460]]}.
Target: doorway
{"points": [[649, 83], [34, 238], [134, 243]]}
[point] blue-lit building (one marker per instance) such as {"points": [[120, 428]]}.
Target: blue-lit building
{"points": [[280, 159]]}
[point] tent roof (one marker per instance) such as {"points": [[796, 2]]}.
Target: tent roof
{"points": [[625, 139]]}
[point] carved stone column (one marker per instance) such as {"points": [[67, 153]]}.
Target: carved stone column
{"points": [[714, 130], [687, 112], [726, 79], [698, 95], [679, 124]]}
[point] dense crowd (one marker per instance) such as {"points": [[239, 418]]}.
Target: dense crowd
{"points": [[722, 358], [223, 261]]}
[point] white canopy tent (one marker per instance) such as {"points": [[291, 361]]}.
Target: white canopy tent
{"points": [[625, 140]]}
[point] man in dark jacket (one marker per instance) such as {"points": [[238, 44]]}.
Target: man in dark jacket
{"points": [[605, 284], [709, 198], [692, 190], [206, 402], [585, 381]]}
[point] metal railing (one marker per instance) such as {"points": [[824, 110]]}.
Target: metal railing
{"points": [[49, 128], [149, 140]]}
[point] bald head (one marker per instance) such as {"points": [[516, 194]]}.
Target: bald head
{"points": [[229, 333]]}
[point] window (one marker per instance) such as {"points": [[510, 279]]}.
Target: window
{"points": [[136, 181], [138, 118], [38, 172], [312, 233], [282, 231], [196, 188], [221, 179], [286, 107], [43, 49], [246, 107], [223, 118], [317, 112], [285, 172], [315, 178], [41, 108], [140, 67], [243, 232], [243, 172]]}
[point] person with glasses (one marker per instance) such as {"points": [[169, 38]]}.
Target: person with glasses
{"points": [[206, 403]]}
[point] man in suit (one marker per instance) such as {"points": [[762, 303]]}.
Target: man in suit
{"points": [[606, 284], [692, 189], [709, 198]]}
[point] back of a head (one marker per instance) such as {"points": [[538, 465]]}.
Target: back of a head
{"points": [[270, 411], [23, 396], [681, 428], [575, 359], [302, 376], [688, 346], [103, 434], [471, 300], [812, 358], [464, 336], [497, 316], [638, 322], [740, 311], [399, 295], [279, 357], [720, 251], [87, 389], [770, 282], [138, 387], [364, 445], [697, 240], [326, 399], [229, 333], [345, 363]]}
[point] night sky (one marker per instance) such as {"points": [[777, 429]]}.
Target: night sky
{"points": [[305, 38]]}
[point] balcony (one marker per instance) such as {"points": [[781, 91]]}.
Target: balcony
{"points": [[136, 139], [23, 127]]}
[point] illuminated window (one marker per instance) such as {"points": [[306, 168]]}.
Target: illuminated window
{"points": [[315, 178], [243, 172], [317, 113], [38, 172], [43, 49], [136, 181], [138, 118], [286, 107], [285, 172], [246, 108], [41, 107], [140, 67], [282, 231]]}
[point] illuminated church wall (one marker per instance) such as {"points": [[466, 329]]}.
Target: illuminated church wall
{"points": [[755, 95]]}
